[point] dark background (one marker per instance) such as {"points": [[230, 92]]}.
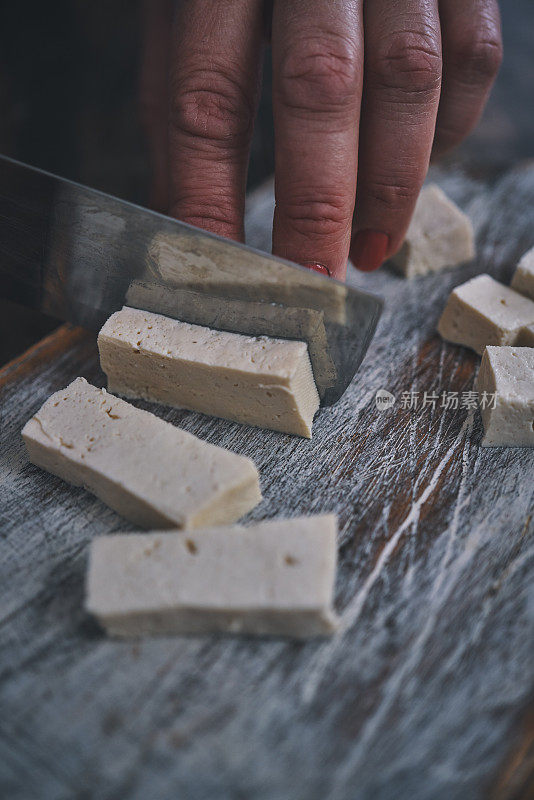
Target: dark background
{"points": [[68, 103]]}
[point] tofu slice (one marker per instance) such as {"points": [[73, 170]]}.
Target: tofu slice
{"points": [[440, 235], [523, 280], [484, 312], [275, 577], [507, 373], [225, 273], [253, 380], [248, 317], [150, 472]]}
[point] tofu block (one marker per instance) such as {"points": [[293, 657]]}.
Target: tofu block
{"points": [[440, 235], [484, 312], [253, 380], [507, 373], [275, 577], [526, 336], [152, 473], [523, 280]]}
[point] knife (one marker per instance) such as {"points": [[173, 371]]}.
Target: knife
{"points": [[79, 255]]}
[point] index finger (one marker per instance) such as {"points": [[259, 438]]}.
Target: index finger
{"points": [[214, 83], [317, 83]]}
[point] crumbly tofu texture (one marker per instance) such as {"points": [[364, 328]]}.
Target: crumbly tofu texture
{"points": [[483, 312], [440, 235], [275, 577], [149, 471], [253, 380], [508, 374], [523, 280]]}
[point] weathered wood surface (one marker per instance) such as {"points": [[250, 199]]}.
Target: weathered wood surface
{"points": [[425, 695]]}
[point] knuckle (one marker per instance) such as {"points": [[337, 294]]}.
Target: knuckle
{"points": [[206, 215], [408, 62], [322, 216], [320, 74], [212, 105], [477, 58], [392, 196]]}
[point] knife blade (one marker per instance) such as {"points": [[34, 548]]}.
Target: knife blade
{"points": [[79, 255]]}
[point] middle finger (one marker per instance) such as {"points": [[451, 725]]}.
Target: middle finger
{"points": [[317, 78], [399, 109]]}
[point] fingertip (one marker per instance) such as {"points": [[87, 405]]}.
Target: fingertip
{"points": [[368, 249]]}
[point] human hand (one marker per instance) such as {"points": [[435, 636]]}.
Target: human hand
{"points": [[364, 91]]}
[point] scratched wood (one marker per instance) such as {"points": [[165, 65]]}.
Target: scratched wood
{"points": [[427, 693]]}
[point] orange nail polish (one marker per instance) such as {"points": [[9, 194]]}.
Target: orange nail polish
{"points": [[317, 267], [368, 250]]}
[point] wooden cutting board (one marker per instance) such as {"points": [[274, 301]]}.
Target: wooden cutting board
{"points": [[426, 694]]}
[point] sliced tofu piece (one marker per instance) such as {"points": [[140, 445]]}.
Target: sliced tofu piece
{"points": [[526, 336], [440, 235], [274, 577], [250, 318], [507, 377], [228, 273], [484, 312], [152, 473], [253, 380], [523, 280]]}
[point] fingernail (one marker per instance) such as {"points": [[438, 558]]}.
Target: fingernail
{"points": [[317, 267], [368, 250]]}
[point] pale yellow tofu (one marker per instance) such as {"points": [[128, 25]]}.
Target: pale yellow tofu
{"points": [[523, 280], [254, 380], [484, 312], [506, 394], [146, 469], [275, 578], [440, 236]]}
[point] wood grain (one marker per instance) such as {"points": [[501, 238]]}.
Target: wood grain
{"points": [[426, 693]]}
